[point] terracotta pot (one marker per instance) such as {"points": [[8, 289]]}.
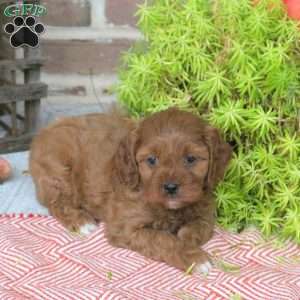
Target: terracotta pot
{"points": [[293, 8]]}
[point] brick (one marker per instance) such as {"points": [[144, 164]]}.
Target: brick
{"points": [[67, 13], [121, 12], [83, 57]]}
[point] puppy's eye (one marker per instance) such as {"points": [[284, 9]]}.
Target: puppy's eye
{"points": [[190, 159], [152, 160]]}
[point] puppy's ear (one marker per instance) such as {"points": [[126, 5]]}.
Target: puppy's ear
{"points": [[219, 156], [124, 161]]}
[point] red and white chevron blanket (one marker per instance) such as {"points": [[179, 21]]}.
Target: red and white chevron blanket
{"points": [[40, 260]]}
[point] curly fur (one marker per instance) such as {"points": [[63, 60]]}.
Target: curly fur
{"points": [[96, 168]]}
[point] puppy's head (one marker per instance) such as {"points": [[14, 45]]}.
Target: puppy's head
{"points": [[173, 158]]}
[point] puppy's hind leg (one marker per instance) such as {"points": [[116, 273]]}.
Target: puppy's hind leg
{"points": [[54, 155], [76, 220], [59, 194]]}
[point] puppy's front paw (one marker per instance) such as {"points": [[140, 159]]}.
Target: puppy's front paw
{"points": [[203, 268], [87, 229], [199, 261]]}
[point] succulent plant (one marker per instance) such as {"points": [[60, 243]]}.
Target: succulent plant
{"points": [[236, 63]]}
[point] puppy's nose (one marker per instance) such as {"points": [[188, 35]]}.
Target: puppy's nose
{"points": [[171, 188]]}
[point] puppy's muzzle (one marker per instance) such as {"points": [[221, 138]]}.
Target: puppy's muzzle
{"points": [[171, 188]]}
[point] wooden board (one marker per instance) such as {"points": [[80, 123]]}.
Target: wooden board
{"points": [[16, 93], [21, 64], [14, 144]]}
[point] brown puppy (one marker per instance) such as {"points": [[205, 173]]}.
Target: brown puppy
{"points": [[150, 181]]}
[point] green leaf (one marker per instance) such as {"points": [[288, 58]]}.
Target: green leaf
{"points": [[289, 145], [227, 267], [291, 227], [212, 88], [286, 195], [266, 218], [262, 124], [229, 115]]}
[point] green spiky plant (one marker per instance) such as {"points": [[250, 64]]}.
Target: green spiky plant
{"points": [[237, 64]]}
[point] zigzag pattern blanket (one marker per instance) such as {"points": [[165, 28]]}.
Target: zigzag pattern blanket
{"points": [[39, 259]]}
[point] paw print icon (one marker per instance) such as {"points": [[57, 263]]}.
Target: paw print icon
{"points": [[24, 32]]}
